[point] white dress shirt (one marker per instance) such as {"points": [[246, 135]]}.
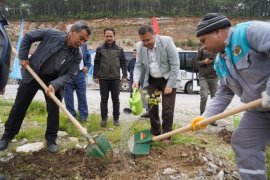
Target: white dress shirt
{"points": [[153, 63]]}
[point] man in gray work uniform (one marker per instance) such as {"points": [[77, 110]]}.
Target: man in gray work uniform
{"points": [[242, 65]]}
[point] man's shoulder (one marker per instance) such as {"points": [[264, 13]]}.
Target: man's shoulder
{"points": [[54, 31], [164, 39], [116, 46]]}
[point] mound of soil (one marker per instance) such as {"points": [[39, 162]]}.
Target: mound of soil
{"points": [[226, 135], [74, 164]]}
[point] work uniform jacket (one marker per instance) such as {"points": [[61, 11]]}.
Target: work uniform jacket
{"points": [[244, 67]]}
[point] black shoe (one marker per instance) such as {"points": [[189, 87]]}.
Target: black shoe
{"points": [[103, 123], [116, 123], [3, 144], [213, 124], [53, 148], [145, 115]]}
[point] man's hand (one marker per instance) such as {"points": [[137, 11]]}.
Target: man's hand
{"points": [[24, 63], [135, 85], [85, 70], [207, 61], [265, 100], [195, 124], [167, 90], [50, 89], [96, 81]]}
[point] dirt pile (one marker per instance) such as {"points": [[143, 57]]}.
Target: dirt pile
{"points": [[226, 135], [180, 161]]}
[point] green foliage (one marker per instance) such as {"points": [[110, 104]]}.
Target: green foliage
{"points": [[63, 9], [268, 161], [37, 108], [5, 109], [31, 133], [152, 99], [188, 43]]}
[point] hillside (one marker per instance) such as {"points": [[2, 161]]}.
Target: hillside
{"points": [[181, 29]]}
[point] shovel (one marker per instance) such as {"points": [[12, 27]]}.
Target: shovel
{"points": [[139, 143], [98, 146]]}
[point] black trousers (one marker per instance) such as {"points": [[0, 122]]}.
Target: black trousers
{"points": [[107, 86], [25, 95], [168, 103]]}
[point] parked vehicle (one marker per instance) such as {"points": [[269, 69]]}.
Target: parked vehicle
{"points": [[187, 80]]}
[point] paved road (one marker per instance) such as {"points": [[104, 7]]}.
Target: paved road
{"points": [[186, 108]]}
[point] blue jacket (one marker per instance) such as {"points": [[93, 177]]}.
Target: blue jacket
{"points": [[5, 54], [244, 67], [51, 41], [86, 56]]}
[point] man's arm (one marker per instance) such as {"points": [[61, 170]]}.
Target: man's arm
{"points": [[199, 58], [28, 39], [219, 102], [68, 76], [258, 36], [86, 56], [138, 65], [123, 64], [97, 63], [174, 61]]}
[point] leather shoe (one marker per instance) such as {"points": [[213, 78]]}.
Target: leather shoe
{"points": [[103, 123], [145, 115], [3, 144], [116, 123], [53, 148]]}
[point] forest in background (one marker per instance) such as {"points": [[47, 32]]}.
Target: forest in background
{"points": [[91, 9]]}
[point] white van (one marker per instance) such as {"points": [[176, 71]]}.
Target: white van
{"points": [[187, 80]]}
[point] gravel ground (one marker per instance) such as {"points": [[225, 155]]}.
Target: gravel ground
{"points": [[186, 107]]}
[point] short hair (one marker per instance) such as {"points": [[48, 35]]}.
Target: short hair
{"points": [[81, 25], [109, 29], [144, 29]]}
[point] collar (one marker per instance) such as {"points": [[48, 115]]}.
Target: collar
{"points": [[228, 39], [64, 45], [113, 44]]}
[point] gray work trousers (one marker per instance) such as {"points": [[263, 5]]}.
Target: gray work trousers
{"points": [[207, 84], [249, 141]]}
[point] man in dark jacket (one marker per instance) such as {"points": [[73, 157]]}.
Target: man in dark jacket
{"points": [[56, 61], [108, 61], [5, 54], [78, 84], [207, 76]]}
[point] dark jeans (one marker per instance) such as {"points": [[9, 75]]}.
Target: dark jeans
{"points": [[79, 85], [25, 94], [105, 87], [168, 103]]}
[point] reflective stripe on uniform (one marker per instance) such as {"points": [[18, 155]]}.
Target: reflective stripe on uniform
{"points": [[248, 171]]}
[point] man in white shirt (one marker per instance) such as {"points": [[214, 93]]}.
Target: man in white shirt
{"points": [[158, 55]]}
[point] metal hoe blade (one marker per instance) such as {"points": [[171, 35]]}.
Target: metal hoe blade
{"points": [[101, 148], [139, 143]]}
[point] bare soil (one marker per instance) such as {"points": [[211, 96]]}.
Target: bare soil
{"points": [[73, 164], [226, 135]]}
